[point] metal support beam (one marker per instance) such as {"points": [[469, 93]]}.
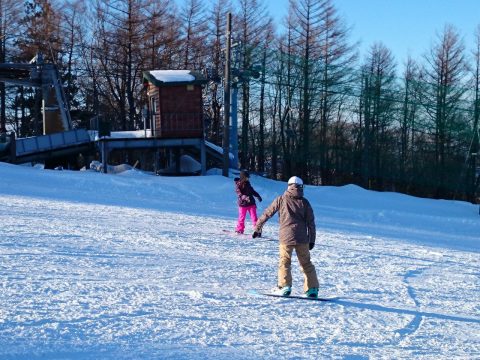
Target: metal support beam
{"points": [[226, 106], [13, 148], [203, 158], [104, 147], [41, 75], [234, 130]]}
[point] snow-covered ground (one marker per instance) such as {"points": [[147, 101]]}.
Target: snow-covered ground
{"points": [[134, 266]]}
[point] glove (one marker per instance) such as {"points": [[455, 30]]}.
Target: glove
{"points": [[256, 234], [311, 246], [259, 198]]}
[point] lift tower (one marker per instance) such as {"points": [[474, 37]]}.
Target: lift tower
{"points": [[37, 73]]}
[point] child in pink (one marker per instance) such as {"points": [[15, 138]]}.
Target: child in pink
{"points": [[246, 201]]}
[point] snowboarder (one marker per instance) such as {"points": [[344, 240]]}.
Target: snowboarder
{"points": [[297, 232], [246, 201]]}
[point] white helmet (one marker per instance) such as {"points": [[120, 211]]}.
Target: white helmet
{"points": [[295, 180]]}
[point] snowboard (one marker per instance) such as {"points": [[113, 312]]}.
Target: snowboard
{"points": [[247, 236], [293, 297]]}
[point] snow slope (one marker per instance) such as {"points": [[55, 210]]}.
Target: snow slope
{"points": [[133, 266]]}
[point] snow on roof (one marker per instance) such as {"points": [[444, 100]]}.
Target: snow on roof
{"points": [[137, 134], [218, 149], [172, 75]]}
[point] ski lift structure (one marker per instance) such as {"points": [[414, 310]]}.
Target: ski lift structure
{"points": [[173, 121]]}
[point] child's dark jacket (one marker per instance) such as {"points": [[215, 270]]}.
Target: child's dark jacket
{"points": [[245, 193]]}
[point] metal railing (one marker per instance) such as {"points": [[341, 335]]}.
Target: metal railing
{"points": [[31, 145]]}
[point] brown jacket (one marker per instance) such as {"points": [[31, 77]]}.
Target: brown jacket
{"points": [[297, 222]]}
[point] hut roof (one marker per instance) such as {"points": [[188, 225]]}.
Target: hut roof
{"points": [[174, 77]]}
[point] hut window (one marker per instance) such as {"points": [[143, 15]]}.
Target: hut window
{"points": [[189, 87], [153, 112], [153, 107]]}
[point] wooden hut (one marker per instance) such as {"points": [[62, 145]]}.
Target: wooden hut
{"points": [[175, 103]]}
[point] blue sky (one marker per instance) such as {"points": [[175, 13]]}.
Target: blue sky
{"points": [[404, 26]]}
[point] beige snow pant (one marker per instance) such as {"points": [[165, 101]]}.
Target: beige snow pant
{"points": [[285, 266]]}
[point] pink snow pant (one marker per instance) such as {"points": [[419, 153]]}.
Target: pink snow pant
{"points": [[242, 214]]}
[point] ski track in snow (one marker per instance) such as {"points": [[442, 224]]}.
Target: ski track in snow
{"points": [[88, 281]]}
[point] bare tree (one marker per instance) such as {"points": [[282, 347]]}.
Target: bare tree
{"points": [[72, 21], [251, 24], [444, 75], [407, 123], [9, 17], [307, 27], [158, 35], [194, 34], [266, 55], [122, 45], [378, 75], [337, 58], [216, 38], [41, 33], [288, 81], [472, 180]]}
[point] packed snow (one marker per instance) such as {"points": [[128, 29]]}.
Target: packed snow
{"points": [[137, 266]]}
